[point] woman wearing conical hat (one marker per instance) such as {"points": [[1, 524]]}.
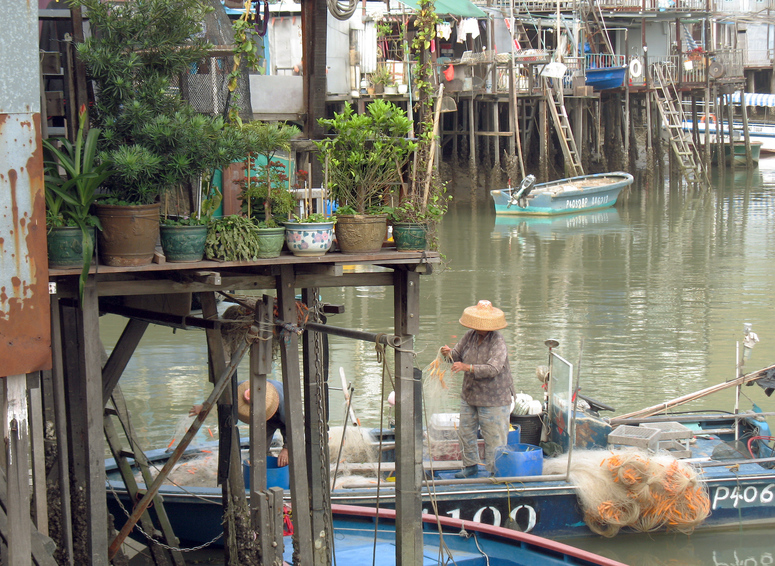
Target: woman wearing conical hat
{"points": [[275, 413], [485, 400]]}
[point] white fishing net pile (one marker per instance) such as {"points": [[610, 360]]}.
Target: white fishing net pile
{"points": [[634, 489], [441, 409]]}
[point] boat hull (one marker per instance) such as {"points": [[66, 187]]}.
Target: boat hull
{"points": [[738, 496], [564, 196], [605, 78], [763, 134]]}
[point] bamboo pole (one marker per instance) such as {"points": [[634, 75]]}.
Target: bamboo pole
{"points": [[432, 151], [751, 377]]}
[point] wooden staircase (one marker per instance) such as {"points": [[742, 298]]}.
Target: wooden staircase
{"points": [[554, 100], [597, 34], [163, 540], [668, 102]]}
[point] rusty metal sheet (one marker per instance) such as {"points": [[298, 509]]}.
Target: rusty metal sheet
{"points": [[25, 330]]}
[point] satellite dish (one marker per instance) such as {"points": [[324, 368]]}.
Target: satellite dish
{"points": [[716, 70]]}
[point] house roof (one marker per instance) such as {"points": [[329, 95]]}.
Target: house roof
{"points": [[452, 7]]}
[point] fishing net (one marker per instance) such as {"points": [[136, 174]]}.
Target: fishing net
{"points": [[441, 413], [635, 490]]}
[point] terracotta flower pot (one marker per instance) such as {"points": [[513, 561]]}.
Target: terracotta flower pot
{"points": [[360, 233], [129, 234]]}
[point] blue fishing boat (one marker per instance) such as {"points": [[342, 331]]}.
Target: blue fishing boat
{"points": [[701, 470], [365, 535], [604, 78], [563, 196]]}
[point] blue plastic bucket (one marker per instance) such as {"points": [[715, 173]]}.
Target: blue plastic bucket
{"points": [[513, 437], [275, 477], [518, 460]]}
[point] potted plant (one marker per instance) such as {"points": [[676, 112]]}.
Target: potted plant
{"points": [[147, 127], [265, 189], [310, 235], [381, 77], [232, 238], [364, 158], [71, 181]]}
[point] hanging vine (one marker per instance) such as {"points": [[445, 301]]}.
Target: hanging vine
{"points": [[248, 47]]}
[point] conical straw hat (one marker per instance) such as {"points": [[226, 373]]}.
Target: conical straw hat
{"points": [[483, 316], [243, 401]]}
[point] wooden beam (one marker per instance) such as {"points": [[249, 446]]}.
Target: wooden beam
{"points": [[289, 350], [120, 356], [17, 447], [408, 421], [62, 432], [38, 452], [316, 422], [85, 407]]}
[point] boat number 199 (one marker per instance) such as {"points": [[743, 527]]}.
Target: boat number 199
{"points": [[523, 515], [725, 497]]}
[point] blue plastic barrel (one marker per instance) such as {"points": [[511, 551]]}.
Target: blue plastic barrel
{"points": [[275, 476], [518, 460]]}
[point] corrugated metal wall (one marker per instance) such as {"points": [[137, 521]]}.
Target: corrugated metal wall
{"points": [[25, 332]]}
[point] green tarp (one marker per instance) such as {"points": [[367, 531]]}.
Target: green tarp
{"points": [[452, 7]]}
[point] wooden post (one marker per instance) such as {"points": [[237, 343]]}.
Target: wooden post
{"points": [[289, 350], [746, 133], [316, 422], [85, 407], [543, 139], [38, 452], [730, 120], [406, 313], [474, 177], [16, 453], [60, 425]]}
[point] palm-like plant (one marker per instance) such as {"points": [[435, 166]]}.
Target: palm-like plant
{"points": [[72, 179]]}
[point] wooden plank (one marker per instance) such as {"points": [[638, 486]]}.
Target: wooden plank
{"points": [[62, 434], [275, 497], [408, 422], [260, 366], [120, 356], [85, 404], [169, 537], [289, 350], [316, 422], [55, 103], [17, 500], [50, 63], [38, 453]]}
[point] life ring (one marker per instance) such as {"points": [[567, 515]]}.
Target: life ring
{"points": [[635, 68], [711, 119]]}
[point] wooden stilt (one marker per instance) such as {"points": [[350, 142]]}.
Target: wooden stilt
{"points": [[472, 149], [38, 453], [289, 350], [406, 311], [730, 121], [62, 435], [16, 453], [316, 424], [543, 139], [746, 133], [85, 404]]}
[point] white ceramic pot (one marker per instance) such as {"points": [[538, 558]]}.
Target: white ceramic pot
{"points": [[309, 238]]}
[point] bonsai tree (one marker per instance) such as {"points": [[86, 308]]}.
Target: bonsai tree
{"points": [[268, 187], [152, 138], [365, 155]]}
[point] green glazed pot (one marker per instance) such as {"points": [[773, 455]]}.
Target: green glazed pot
{"points": [[409, 237], [65, 247], [183, 243], [270, 242]]}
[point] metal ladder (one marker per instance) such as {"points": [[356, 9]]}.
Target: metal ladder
{"points": [[163, 550], [554, 99], [666, 97]]}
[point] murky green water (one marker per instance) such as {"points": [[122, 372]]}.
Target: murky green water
{"points": [[657, 289]]}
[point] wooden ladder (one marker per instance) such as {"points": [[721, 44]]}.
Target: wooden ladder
{"points": [[520, 35], [668, 103], [597, 34], [554, 100], [163, 546]]}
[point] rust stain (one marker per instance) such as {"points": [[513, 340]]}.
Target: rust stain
{"points": [[25, 327]]}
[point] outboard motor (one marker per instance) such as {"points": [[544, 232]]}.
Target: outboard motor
{"points": [[525, 187]]}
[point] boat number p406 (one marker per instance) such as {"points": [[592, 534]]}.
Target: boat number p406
{"points": [[749, 496]]}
